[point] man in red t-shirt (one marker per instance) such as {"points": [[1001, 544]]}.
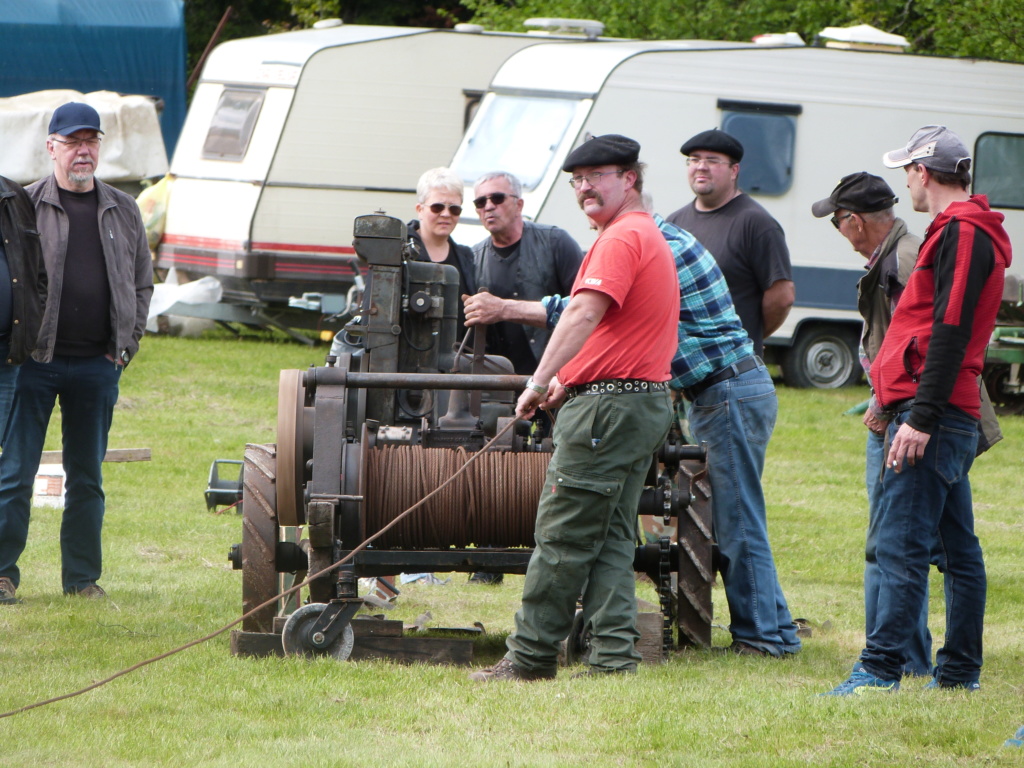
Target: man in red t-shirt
{"points": [[611, 351]]}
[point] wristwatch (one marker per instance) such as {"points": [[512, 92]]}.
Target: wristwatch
{"points": [[538, 388]]}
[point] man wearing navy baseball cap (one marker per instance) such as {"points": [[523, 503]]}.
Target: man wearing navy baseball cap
{"points": [[100, 283]]}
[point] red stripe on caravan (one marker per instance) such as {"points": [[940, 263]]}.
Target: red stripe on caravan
{"points": [[345, 250], [207, 243], [313, 269]]}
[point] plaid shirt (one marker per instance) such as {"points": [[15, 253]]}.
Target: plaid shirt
{"points": [[711, 336]]}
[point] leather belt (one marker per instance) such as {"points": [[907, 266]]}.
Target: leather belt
{"points": [[900, 406], [724, 374], [615, 387]]}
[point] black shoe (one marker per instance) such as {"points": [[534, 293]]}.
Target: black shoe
{"points": [[487, 578], [743, 649]]}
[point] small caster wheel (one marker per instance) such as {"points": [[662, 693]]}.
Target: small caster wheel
{"points": [[297, 641]]}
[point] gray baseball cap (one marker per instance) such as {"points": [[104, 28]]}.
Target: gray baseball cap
{"points": [[935, 147]]}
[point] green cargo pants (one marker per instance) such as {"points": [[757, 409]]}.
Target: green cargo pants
{"points": [[586, 530]]}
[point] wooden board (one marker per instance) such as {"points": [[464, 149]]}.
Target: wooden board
{"points": [[429, 650], [112, 454], [368, 645], [649, 646]]}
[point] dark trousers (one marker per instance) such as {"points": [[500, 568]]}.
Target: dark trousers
{"points": [[87, 389]]}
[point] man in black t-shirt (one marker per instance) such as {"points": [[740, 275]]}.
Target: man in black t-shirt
{"points": [[100, 278], [747, 243]]}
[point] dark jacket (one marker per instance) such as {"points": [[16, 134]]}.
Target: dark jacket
{"points": [[125, 250], [884, 280], [459, 256], [548, 262], [28, 272]]}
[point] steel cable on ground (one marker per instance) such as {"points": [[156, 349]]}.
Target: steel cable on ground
{"points": [[294, 588]]}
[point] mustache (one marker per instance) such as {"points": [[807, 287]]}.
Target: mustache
{"points": [[590, 194]]}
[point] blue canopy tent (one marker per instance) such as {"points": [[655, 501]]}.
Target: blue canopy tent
{"points": [[132, 47]]}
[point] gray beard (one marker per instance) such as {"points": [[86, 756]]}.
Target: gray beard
{"points": [[81, 178]]}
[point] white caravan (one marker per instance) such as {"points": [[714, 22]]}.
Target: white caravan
{"points": [[289, 137], [806, 117]]}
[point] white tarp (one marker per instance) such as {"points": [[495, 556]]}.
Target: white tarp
{"points": [[132, 149], [863, 33], [205, 290]]}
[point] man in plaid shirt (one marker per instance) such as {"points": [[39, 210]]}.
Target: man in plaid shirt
{"points": [[733, 409]]}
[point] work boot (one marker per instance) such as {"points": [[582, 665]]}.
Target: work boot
{"points": [[7, 590], [91, 592], [506, 670]]}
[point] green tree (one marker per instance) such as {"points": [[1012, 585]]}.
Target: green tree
{"points": [[402, 13], [248, 19], [976, 28]]}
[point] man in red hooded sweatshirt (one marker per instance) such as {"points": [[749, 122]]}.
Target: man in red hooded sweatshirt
{"points": [[925, 379]]}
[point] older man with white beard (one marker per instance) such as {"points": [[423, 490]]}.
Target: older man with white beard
{"points": [[100, 283]]}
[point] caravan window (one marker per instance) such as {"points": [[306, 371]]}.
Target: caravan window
{"points": [[999, 168], [519, 134], [232, 124], [768, 135]]}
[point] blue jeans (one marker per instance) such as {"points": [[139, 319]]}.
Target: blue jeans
{"points": [[8, 379], [919, 649], [924, 506], [736, 418], [87, 389]]}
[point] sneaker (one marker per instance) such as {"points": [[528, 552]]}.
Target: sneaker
{"points": [[591, 671], [7, 590], [970, 686], [487, 578], [506, 670], [1018, 739], [861, 683], [91, 592]]}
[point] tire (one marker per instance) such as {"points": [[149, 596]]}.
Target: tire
{"points": [[694, 610], [823, 357], [259, 536]]}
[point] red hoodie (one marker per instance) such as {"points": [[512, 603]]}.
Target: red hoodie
{"points": [[934, 349]]}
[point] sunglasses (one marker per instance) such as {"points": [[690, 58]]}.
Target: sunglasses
{"points": [[497, 198], [838, 220], [456, 210]]}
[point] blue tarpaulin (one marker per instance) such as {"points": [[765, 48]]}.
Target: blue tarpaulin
{"points": [[128, 46]]}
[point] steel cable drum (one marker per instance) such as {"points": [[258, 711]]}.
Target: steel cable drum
{"points": [[493, 504]]}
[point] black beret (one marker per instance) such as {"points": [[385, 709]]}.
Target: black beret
{"points": [[610, 149], [714, 141], [858, 192]]}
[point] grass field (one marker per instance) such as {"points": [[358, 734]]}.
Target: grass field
{"points": [[166, 571]]}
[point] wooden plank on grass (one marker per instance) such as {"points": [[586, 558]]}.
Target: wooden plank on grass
{"points": [[258, 644], [113, 454], [429, 650]]}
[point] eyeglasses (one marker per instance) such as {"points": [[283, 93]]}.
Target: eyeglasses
{"points": [[709, 161], [591, 178], [438, 208], [837, 220], [76, 143], [497, 198]]}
